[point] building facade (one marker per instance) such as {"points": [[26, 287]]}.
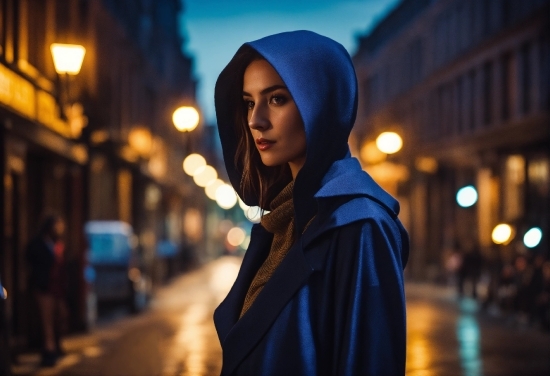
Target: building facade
{"points": [[96, 146], [466, 85]]}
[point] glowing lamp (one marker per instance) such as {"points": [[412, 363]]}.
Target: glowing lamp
{"points": [[185, 118], [532, 237], [502, 233], [389, 142], [192, 163], [67, 58], [141, 140], [466, 196], [236, 236], [226, 197], [212, 188], [205, 175]]}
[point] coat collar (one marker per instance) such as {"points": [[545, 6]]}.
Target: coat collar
{"points": [[346, 178]]}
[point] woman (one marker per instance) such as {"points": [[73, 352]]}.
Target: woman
{"points": [[320, 290], [47, 281]]}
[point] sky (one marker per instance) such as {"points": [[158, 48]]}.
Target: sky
{"points": [[215, 29]]}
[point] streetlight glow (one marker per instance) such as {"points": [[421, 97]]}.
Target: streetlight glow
{"points": [[502, 233], [212, 188], [389, 142], [67, 58], [192, 163], [236, 236], [226, 197], [466, 196], [205, 175], [141, 140], [532, 237], [185, 118]]}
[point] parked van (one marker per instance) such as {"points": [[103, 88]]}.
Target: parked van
{"points": [[114, 266]]}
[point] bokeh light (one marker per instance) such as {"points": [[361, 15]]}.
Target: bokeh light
{"points": [[466, 196], [389, 142], [205, 175], [236, 236], [226, 197], [192, 163], [502, 233], [532, 237], [212, 188], [185, 118]]}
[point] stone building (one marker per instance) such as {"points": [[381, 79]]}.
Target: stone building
{"points": [[466, 85], [96, 146]]}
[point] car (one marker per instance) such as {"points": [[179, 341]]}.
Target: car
{"points": [[113, 270]]}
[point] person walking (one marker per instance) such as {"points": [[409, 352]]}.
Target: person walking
{"points": [[320, 290], [47, 281]]}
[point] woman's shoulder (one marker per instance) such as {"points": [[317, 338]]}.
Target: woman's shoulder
{"points": [[347, 184]]}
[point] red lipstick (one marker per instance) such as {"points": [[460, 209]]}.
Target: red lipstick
{"points": [[263, 143]]}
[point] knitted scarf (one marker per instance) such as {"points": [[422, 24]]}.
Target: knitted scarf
{"points": [[280, 222]]}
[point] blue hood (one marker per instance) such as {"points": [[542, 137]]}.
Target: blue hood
{"points": [[320, 76]]}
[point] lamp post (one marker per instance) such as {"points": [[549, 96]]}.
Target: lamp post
{"points": [[186, 119], [67, 59]]}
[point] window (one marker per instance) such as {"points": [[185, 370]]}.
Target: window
{"points": [[460, 105], [36, 10], [472, 97], [505, 93], [2, 26], [62, 20], [513, 187], [526, 77], [366, 94], [487, 93], [538, 186]]}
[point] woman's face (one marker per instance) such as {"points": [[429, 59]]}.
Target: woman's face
{"points": [[273, 118]]}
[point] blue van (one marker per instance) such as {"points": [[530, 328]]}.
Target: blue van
{"points": [[113, 265]]}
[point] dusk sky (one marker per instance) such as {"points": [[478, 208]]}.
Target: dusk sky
{"points": [[215, 29]]}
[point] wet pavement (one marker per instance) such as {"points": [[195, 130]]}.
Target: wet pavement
{"points": [[176, 336]]}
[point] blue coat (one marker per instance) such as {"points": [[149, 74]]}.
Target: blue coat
{"points": [[335, 305]]}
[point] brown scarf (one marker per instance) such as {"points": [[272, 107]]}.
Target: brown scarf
{"points": [[280, 222]]}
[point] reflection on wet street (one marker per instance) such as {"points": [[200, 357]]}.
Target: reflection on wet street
{"points": [[176, 336], [451, 336]]}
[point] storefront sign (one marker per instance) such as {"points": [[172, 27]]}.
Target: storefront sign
{"points": [[21, 96]]}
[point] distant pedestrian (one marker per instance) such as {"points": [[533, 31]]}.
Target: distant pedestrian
{"points": [[543, 298], [47, 281], [5, 361], [470, 270]]}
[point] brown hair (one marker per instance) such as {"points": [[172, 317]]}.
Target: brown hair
{"points": [[257, 179]]}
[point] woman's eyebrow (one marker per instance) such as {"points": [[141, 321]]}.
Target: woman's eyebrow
{"points": [[267, 90]]}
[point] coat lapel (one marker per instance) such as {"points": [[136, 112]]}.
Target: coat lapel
{"points": [[227, 313], [290, 275]]}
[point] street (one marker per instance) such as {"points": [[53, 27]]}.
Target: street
{"points": [[176, 335]]}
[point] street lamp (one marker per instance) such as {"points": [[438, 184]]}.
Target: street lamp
{"points": [[185, 118], [502, 233], [389, 142], [67, 60]]}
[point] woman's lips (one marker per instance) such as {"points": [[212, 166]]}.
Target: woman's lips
{"points": [[264, 144]]}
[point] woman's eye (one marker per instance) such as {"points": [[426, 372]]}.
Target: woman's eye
{"points": [[249, 104], [278, 100]]}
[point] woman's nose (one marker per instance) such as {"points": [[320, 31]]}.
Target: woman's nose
{"points": [[258, 119]]}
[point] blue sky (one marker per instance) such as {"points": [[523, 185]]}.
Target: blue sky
{"points": [[215, 29]]}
